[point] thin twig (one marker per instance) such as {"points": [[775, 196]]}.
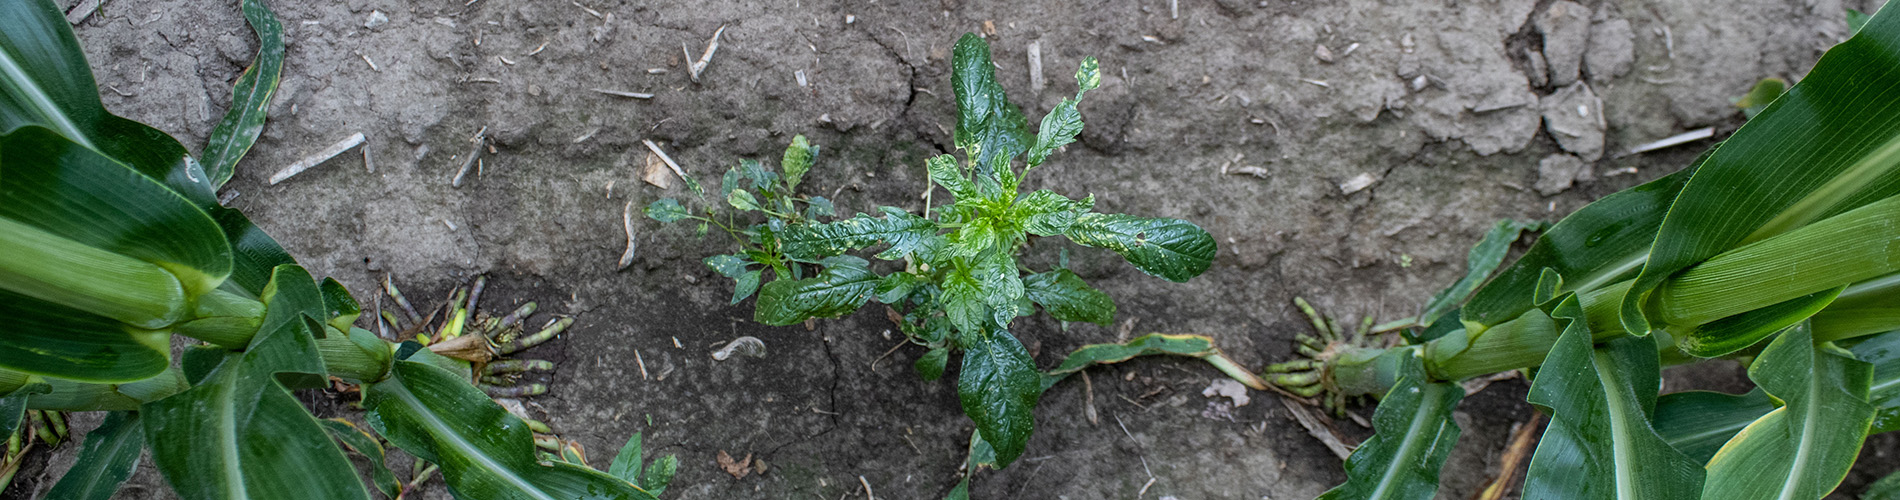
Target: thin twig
{"points": [[642, 362], [1318, 431], [623, 93], [867, 488], [706, 57], [317, 159], [474, 153], [626, 223]]}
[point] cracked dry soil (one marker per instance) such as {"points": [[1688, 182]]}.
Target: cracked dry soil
{"points": [[1448, 106]]}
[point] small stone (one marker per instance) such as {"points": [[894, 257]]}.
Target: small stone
{"points": [[1324, 54], [376, 18], [1574, 119], [1558, 172], [1357, 183], [1612, 50], [1566, 29]]}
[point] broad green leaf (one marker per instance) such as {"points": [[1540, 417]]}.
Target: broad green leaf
{"points": [[999, 387], [988, 125], [1193, 346], [906, 233], [1883, 352], [796, 161], [106, 459], [1044, 213], [1001, 284], [844, 286], [666, 210], [238, 433], [659, 474], [1818, 151], [1061, 125], [730, 266], [1600, 244], [976, 237], [895, 287], [1830, 253], [1068, 298], [1479, 263], [1803, 449], [250, 96], [930, 366], [762, 179], [626, 464], [360, 441], [944, 171], [1599, 443], [964, 305], [57, 186], [484, 451], [1698, 423], [1172, 249], [730, 181], [1414, 435], [745, 285], [742, 199], [818, 206]]}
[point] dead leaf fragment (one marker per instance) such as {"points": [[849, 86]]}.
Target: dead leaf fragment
{"points": [[738, 468], [656, 172]]}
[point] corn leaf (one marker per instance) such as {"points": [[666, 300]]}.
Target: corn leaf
{"points": [[484, 451], [1415, 434], [57, 341], [1196, 346], [57, 186], [1883, 352], [1479, 263], [238, 433], [907, 234], [1887, 488], [1600, 244], [999, 387], [250, 96], [988, 125], [106, 459], [1734, 333], [1171, 249], [360, 441], [1697, 423], [1803, 449], [844, 286], [1068, 298], [1818, 151], [1599, 443]]}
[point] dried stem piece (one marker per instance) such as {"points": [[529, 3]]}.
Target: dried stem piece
{"points": [[474, 153], [317, 159], [626, 223], [705, 57]]}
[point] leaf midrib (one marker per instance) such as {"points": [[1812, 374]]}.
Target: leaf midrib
{"points": [[429, 420], [1804, 443], [1414, 432], [17, 79], [1620, 444]]}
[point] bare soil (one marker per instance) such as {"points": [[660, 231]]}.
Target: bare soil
{"points": [[1440, 101]]}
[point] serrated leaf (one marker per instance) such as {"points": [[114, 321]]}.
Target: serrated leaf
{"points": [[963, 304], [1479, 263], [818, 206], [1068, 298], [895, 287], [106, 459], [1599, 442], [1698, 423], [796, 161], [1803, 449], [1415, 433], [930, 366], [742, 199], [999, 387], [1883, 352], [975, 238], [1172, 249], [988, 125], [626, 464], [1001, 284], [906, 233], [481, 448], [944, 171], [844, 286], [250, 96], [1045, 213], [666, 210], [363, 443]]}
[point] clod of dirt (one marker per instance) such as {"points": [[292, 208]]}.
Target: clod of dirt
{"points": [[1558, 172], [1574, 116], [1566, 29], [1539, 74], [1228, 388], [1612, 47]]}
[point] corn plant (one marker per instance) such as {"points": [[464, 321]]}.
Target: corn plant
{"points": [[1778, 248], [954, 282], [112, 242]]}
